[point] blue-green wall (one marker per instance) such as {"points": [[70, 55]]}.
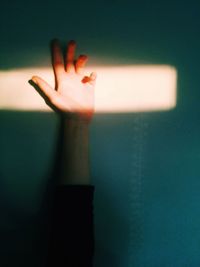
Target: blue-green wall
{"points": [[145, 166]]}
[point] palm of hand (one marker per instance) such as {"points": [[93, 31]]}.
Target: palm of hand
{"points": [[74, 92]]}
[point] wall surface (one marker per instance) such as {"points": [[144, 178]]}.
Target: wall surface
{"points": [[145, 166]]}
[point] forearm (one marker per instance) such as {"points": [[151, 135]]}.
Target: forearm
{"points": [[75, 152]]}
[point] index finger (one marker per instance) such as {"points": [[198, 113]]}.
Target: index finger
{"points": [[57, 57]]}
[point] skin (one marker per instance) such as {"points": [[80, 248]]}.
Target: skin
{"points": [[73, 98]]}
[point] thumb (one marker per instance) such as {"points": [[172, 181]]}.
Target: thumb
{"points": [[46, 89]]}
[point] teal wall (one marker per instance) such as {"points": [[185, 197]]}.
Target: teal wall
{"points": [[145, 166]]}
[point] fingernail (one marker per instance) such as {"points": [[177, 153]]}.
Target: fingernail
{"points": [[34, 80], [55, 40], [72, 42], [83, 57]]}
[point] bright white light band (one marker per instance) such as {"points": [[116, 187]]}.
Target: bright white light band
{"points": [[118, 88]]}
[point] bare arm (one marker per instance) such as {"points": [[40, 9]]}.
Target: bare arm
{"points": [[73, 98], [75, 156]]}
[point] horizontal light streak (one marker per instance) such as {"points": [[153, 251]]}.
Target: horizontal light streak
{"points": [[118, 89]]}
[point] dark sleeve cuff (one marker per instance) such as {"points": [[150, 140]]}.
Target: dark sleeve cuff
{"points": [[71, 237]]}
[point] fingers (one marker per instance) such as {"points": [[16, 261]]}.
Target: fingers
{"points": [[70, 53], [80, 63], [57, 58], [91, 79], [48, 91]]}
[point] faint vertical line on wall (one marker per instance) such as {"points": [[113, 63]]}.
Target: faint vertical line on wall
{"points": [[136, 238]]}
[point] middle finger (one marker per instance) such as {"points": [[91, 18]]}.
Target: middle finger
{"points": [[70, 53]]}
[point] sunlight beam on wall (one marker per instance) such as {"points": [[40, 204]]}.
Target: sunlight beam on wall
{"points": [[118, 89]]}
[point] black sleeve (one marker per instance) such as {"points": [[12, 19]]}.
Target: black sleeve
{"points": [[71, 235]]}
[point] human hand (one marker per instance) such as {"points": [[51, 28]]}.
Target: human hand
{"points": [[73, 95]]}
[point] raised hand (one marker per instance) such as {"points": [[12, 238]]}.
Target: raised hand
{"points": [[74, 92]]}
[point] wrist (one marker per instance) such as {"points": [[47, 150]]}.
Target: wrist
{"points": [[75, 126], [76, 118]]}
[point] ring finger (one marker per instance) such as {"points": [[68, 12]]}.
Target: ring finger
{"points": [[80, 64]]}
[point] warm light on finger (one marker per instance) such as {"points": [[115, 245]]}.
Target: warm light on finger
{"points": [[118, 89], [80, 63], [57, 53], [93, 76], [70, 54]]}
